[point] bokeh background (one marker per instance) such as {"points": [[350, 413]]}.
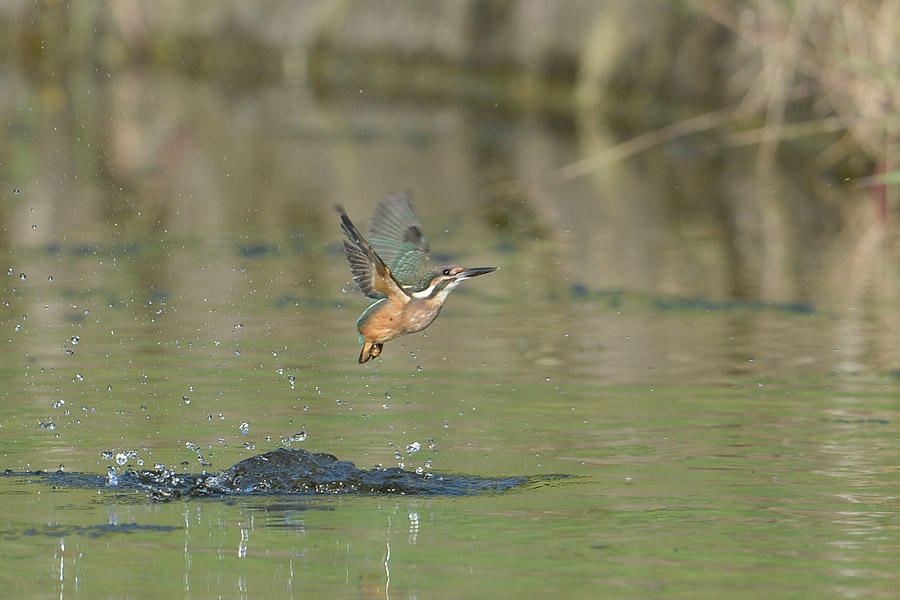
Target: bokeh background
{"points": [[721, 151], [694, 209]]}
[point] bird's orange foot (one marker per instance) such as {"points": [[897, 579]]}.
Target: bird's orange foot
{"points": [[369, 350]]}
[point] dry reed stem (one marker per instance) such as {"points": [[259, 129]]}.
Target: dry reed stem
{"points": [[843, 52]]}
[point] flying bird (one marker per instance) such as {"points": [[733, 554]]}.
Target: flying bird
{"points": [[391, 268]]}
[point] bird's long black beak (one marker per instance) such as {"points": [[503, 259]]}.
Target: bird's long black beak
{"points": [[475, 271]]}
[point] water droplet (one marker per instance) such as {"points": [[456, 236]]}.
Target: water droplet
{"points": [[106, 455], [58, 403], [50, 278], [121, 458], [34, 226], [244, 428], [10, 271], [300, 436], [78, 378], [237, 352], [75, 339], [49, 426], [249, 446], [413, 448], [22, 276], [419, 368], [18, 328], [16, 191], [431, 444]]}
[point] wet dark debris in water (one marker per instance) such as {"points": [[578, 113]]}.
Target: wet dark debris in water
{"points": [[286, 471]]}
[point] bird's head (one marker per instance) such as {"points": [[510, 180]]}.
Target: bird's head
{"points": [[442, 280]]}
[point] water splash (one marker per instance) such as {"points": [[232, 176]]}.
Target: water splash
{"points": [[286, 471], [112, 478]]}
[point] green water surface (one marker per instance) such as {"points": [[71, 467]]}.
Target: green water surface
{"points": [[718, 379]]}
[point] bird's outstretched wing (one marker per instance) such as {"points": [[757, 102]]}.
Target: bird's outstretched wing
{"points": [[396, 234], [373, 277]]}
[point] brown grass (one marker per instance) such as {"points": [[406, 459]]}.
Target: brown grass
{"points": [[846, 53]]}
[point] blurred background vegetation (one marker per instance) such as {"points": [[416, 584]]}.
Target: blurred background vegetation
{"points": [[805, 93], [763, 73]]}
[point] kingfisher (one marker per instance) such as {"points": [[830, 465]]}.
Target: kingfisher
{"points": [[393, 271]]}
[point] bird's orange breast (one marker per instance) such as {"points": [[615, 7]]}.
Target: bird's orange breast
{"points": [[392, 319], [383, 324]]}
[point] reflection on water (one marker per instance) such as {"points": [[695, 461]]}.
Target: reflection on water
{"points": [[133, 196], [712, 354]]}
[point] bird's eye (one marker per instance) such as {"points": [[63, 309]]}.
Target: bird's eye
{"points": [[446, 271]]}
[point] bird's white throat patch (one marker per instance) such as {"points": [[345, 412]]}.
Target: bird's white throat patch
{"points": [[427, 292]]}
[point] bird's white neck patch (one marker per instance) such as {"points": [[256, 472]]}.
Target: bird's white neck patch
{"points": [[424, 293], [427, 292]]}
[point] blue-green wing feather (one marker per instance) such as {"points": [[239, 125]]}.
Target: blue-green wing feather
{"points": [[396, 234]]}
